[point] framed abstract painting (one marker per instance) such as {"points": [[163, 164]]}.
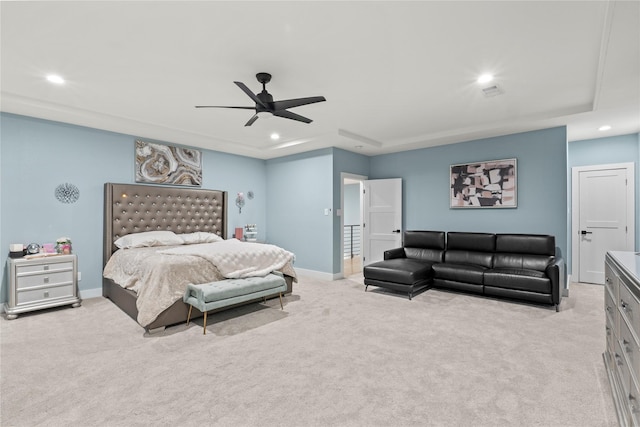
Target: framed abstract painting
{"points": [[165, 164], [488, 184]]}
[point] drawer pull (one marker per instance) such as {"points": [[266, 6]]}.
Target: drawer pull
{"points": [[46, 280], [45, 267], [618, 359], [46, 294], [608, 309], [626, 343]]}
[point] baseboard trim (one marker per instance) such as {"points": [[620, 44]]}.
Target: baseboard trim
{"points": [[565, 291], [90, 293], [320, 275]]}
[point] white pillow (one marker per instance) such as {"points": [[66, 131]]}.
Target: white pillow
{"points": [[148, 238], [200, 237]]}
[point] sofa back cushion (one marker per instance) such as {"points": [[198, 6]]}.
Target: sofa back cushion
{"points": [[470, 248], [424, 245], [524, 251], [535, 244]]}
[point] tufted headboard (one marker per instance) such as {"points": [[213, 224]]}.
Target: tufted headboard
{"points": [[134, 208]]}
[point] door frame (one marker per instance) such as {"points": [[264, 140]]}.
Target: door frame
{"points": [[575, 208], [343, 177]]}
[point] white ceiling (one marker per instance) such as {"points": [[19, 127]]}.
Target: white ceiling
{"points": [[396, 75]]}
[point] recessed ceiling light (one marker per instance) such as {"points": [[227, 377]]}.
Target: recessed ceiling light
{"points": [[603, 128], [54, 78], [275, 137], [485, 78]]}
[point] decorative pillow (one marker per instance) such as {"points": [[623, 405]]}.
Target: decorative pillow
{"points": [[200, 237], [148, 238]]}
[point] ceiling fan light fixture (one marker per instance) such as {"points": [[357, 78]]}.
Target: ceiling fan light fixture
{"points": [[274, 136], [604, 128]]}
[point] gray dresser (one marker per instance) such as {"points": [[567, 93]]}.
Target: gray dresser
{"points": [[39, 283], [622, 313]]}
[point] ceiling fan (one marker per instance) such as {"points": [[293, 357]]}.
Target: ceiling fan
{"points": [[266, 106]]}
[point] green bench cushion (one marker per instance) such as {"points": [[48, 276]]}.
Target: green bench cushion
{"points": [[209, 296]]}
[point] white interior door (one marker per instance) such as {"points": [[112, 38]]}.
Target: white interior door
{"points": [[382, 218], [605, 222]]}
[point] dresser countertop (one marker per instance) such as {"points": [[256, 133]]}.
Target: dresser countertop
{"points": [[630, 261]]}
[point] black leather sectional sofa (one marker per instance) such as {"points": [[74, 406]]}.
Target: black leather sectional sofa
{"points": [[526, 267]]}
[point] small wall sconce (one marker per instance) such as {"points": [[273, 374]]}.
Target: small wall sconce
{"points": [[240, 202]]}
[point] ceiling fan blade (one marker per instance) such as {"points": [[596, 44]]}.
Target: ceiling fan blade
{"points": [[290, 103], [251, 120], [293, 116], [252, 95], [221, 106]]}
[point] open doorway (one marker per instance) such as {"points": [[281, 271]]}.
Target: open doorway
{"points": [[351, 223]]}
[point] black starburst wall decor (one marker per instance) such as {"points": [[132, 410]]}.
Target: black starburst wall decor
{"points": [[67, 193]]}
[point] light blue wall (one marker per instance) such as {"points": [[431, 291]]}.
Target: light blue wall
{"points": [[300, 188], [542, 184], [38, 155], [291, 193], [603, 151], [305, 185]]}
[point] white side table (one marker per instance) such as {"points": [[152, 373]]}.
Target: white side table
{"points": [[39, 283]]}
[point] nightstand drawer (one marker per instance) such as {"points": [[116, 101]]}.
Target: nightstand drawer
{"points": [[43, 294], [43, 268], [29, 281]]}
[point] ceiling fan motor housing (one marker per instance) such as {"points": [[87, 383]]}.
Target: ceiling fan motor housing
{"points": [[266, 99]]}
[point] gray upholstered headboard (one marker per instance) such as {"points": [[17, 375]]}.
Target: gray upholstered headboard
{"points": [[134, 208]]}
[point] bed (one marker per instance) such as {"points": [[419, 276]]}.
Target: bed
{"points": [[137, 208]]}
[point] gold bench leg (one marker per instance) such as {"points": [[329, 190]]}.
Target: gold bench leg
{"points": [[204, 332], [189, 315], [280, 295]]}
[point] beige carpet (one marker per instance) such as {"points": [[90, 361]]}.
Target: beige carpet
{"points": [[336, 356]]}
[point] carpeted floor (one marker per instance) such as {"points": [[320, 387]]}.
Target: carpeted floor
{"points": [[336, 356]]}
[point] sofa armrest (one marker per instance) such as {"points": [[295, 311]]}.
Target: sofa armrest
{"points": [[394, 253], [555, 272]]}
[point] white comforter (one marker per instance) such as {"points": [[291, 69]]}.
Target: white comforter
{"points": [[160, 277], [235, 259]]}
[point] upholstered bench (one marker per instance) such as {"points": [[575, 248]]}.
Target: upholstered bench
{"points": [[223, 293]]}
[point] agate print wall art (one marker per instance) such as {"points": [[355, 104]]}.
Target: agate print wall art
{"points": [[164, 164]]}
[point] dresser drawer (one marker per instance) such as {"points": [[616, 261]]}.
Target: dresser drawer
{"points": [[611, 281], [611, 310], [609, 334], [634, 404], [32, 295], [629, 308], [46, 278], [629, 346], [43, 268], [623, 369]]}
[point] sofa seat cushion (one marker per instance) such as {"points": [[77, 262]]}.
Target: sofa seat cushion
{"points": [[521, 279], [399, 270], [466, 273]]}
